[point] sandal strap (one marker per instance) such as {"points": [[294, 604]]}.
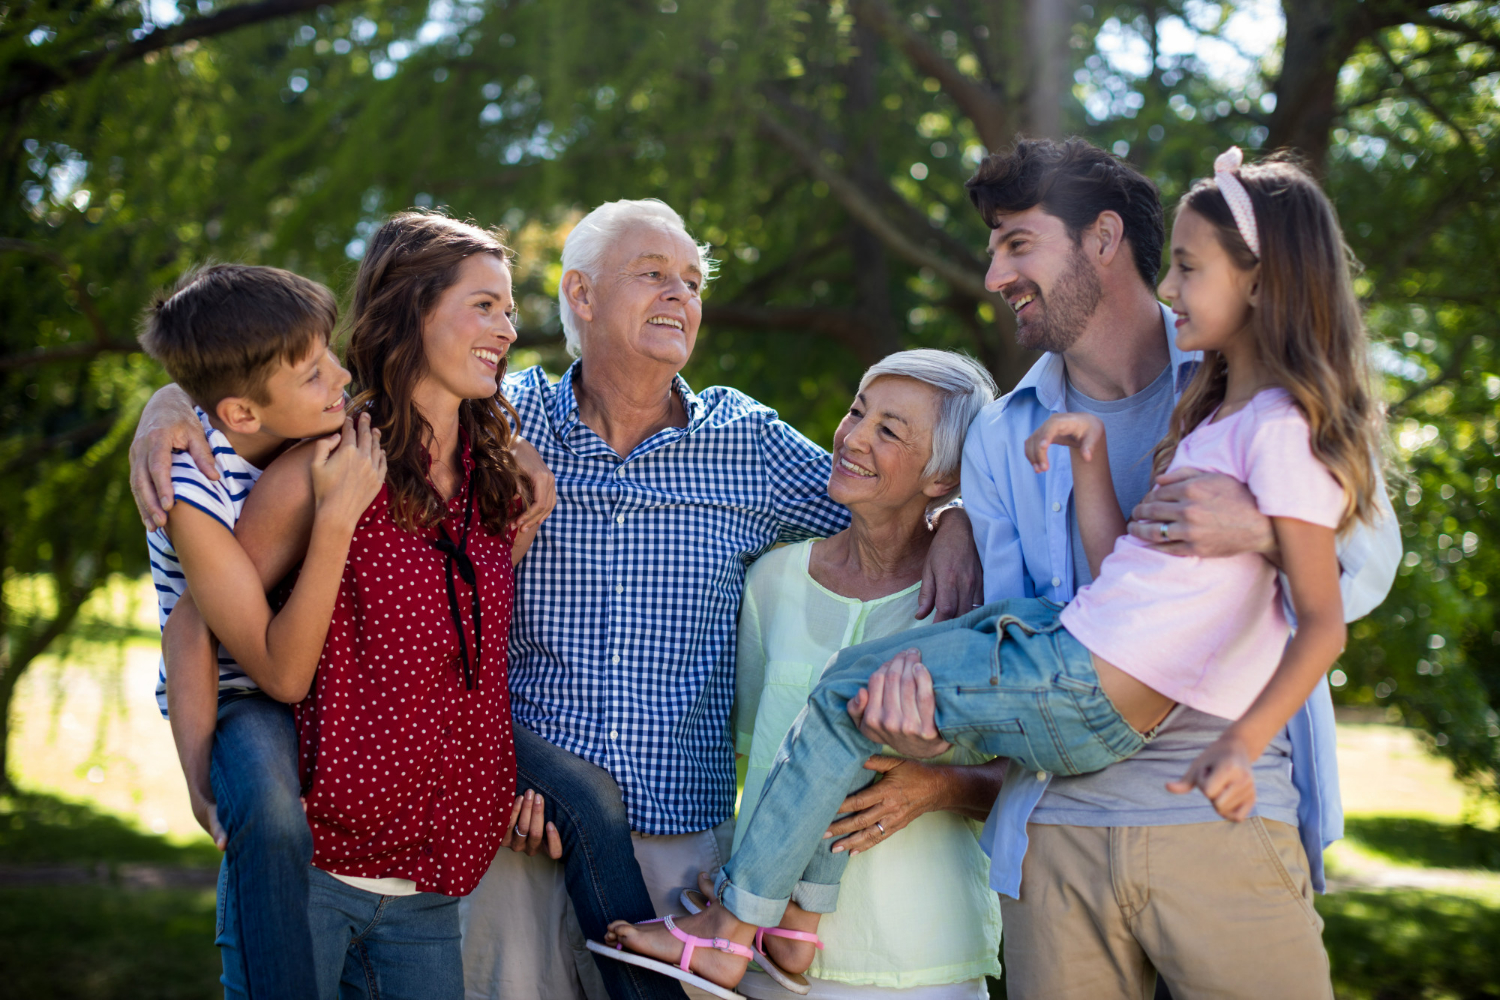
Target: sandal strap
{"points": [[761, 932], [691, 943]]}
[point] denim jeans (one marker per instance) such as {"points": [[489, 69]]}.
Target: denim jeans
{"points": [[372, 947], [1008, 681], [604, 881], [262, 907]]}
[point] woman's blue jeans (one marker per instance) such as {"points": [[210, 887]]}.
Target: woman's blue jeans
{"points": [[1008, 681], [262, 930], [373, 947], [604, 881]]}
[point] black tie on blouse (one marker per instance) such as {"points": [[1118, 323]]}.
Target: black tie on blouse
{"points": [[457, 555]]}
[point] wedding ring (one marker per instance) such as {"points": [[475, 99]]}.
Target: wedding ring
{"points": [[1164, 531], [880, 828]]}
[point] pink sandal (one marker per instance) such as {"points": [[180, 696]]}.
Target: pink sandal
{"points": [[682, 971], [695, 902]]}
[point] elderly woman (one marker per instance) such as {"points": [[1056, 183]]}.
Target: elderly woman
{"points": [[916, 918]]}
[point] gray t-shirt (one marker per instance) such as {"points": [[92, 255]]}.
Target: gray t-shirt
{"points": [[1133, 792], [1132, 426]]}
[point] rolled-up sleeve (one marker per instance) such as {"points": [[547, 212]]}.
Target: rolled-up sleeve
{"points": [[798, 472]]}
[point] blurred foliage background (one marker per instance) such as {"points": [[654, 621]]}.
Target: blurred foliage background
{"points": [[820, 147]]}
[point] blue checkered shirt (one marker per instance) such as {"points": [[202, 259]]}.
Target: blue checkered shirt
{"points": [[622, 644]]}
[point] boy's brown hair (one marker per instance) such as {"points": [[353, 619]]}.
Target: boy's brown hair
{"points": [[225, 327]]}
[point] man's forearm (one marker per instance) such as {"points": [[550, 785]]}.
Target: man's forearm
{"points": [[971, 789]]}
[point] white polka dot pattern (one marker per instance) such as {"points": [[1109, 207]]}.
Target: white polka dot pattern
{"points": [[405, 773]]}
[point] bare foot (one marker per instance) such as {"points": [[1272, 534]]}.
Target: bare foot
{"points": [[655, 941], [793, 955]]}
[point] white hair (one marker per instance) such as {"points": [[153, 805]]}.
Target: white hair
{"points": [[964, 389], [588, 244]]}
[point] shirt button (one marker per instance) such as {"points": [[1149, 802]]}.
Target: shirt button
{"points": [[1056, 506], [1057, 581], [615, 659], [619, 588], [621, 519], [614, 735], [1041, 776]]}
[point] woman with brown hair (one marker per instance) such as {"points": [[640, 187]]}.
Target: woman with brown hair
{"points": [[407, 758]]}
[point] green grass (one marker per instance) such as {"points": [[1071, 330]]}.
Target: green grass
{"points": [[107, 942], [101, 941], [43, 829], [1409, 945], [1426, 843], [87, 942]]}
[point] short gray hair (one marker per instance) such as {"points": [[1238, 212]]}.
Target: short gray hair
{"points": [[587, 245], [964, 389]]}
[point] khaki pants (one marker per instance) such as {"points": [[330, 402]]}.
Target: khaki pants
{"points": [[521, 938], [1222, 910]]}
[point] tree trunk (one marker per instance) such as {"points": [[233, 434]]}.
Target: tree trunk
{"points": [[1047, 31], [872, 273], [1317, 45], [1321, 36]]}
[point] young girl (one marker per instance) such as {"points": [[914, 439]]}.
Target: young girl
{"points": [[1260, 284], [408, 767]]}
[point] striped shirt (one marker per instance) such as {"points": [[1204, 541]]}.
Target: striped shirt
{"points": [[221, 501], [623, 641]]}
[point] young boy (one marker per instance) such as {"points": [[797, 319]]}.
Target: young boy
{"points": [[249, 345]]}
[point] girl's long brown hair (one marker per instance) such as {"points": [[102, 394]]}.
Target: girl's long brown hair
{"points": [[411, 261], [1307, 326]]}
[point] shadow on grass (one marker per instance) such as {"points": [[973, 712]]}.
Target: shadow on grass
{"points": [[101, 941], [1409, 945], [1427, 843], [38, 829]]}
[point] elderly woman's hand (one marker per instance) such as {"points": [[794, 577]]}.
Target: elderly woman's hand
{"points": [[897, 708], [906, 790]]}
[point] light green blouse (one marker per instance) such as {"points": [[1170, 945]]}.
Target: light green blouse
{"points": [[916, 910]]}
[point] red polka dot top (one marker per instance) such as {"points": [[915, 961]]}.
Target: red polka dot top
{"points": [[407, 760]]}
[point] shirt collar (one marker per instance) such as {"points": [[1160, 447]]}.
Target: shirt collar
{"points": [[562, 404], [1046, 379]]}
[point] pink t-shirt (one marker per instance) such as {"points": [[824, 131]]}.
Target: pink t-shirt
{"points": [[1209, 633]]}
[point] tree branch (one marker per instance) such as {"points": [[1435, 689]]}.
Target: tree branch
{"points": [[1410, 86], [917, 226], [1450, 371], [979, 105], [85, 300], [37, 78], [843, 325], [868, 214]]}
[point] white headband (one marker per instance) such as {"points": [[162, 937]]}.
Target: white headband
{"points": [[1226, 170]]}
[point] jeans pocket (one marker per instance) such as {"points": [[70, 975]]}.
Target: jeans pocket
{"points": [[995, 738]]}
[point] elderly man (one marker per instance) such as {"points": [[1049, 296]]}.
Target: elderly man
{"points": [[1114, 877], [622, 648]]}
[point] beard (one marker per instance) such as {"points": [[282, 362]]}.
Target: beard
{"points": [[1060, 317]]}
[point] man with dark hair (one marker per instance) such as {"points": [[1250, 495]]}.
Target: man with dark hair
{"points": [[1109, 878]]}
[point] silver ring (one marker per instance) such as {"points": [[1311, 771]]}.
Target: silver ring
{"points": [[979, 605], [880, 828], [1164, 527]]}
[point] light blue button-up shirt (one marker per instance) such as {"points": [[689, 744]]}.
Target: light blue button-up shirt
{"points": [[1021, 526]]}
